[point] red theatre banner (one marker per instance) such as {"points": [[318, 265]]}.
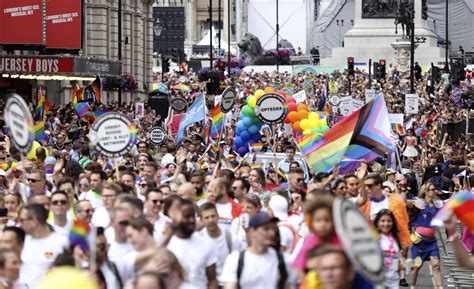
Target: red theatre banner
{"points": [[21, 22], [63, 24], [36, 65]]}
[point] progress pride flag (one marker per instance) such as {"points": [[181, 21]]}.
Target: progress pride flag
{"points": [[21, 22], [63, 24]]}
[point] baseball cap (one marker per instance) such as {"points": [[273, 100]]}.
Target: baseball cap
{"points": [[390, 172], [279, 206], [260, 219], [50, 161]]}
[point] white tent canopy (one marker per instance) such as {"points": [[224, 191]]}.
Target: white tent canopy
{"points": [[215, 43]]}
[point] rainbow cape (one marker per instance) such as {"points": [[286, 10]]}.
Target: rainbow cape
{"points": [[78, 234], [217, 121], [365, 134], [462, 205]]}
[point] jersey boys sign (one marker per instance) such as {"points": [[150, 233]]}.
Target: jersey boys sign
{"points": [[14, 64]]}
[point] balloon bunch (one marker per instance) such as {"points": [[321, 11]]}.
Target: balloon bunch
{"points": [[249, 125], [302, 120]]}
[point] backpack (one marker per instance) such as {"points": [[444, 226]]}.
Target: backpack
{"points": [[283, 274], [296, 236]]}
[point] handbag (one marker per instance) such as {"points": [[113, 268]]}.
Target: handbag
{"points": [[415, 238]]}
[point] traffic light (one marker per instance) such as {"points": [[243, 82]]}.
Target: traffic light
{"points": [[350, 66], [382, 68], [376, 70], [175, 54]]}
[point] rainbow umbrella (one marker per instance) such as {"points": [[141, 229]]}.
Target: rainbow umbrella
{"points": [[158, 86], [181, 87]]}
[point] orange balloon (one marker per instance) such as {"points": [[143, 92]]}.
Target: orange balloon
{"points": [[302, 106], [302, 114], [270, 89], [293, 116], [296, 126]]}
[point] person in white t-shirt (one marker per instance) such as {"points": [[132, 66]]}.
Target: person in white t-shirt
{"points": [[278, 207], [227, 208], [116, 235], [220, 239], [258, 266], [94, 195], [60, 205], [101, 217], [153, 206], [196, 255], [41, 246]]}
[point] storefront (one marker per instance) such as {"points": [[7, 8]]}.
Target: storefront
{"points": [[58, 74]]}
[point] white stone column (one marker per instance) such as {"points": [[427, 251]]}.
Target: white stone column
{"points": [[238, 21]]}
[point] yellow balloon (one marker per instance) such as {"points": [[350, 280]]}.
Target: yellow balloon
{"points": [[252, 101], [67, 277], [323, 122], [314, 123], [313, 115], [259, 93], [306, 131], [304, 124]]}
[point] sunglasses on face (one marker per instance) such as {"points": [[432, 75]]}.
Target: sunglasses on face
{"points": [[124, 223], [87, 211], [370, 185], [156, 202], [83, 185], [59, 202], [33, 181], [143, 185]]}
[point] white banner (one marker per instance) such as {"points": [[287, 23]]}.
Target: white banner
{"points": [[396, 118], [411, 103], [300, 96], [357, 104], [346, 106], [139, 110], [369, 95]]}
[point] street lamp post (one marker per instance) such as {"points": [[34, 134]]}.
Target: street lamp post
{"points": [[119, 50], [413, 42], [277, 36], [228, 38], [157, 29], [210, 36]]}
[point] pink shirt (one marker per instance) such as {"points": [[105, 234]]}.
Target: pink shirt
{"points": [[308, 243]]}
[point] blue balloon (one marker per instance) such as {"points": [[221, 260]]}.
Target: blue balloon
{"points": [[253, 129], [252, 141], [247, 121], [241, 125], [242, 150], [235, 148], [245, 135], [237, 132], [256, 120], [238, 142], [256, 137]]}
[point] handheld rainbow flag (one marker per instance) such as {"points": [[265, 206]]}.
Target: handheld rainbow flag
{"points": [[398, 128], [365, 134], [39, 131], [96, 88], [463, 207], [256, 147], [184, 69], [78, 234], [212, 152], [40, 107], [82, 108], [217, 121]]}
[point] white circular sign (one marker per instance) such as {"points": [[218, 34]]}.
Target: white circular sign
{"points": [[228, 99], [20, 123], [113, 134], [358, 239], [271, 108], [178, 104], [157, 135], [334, 100]]}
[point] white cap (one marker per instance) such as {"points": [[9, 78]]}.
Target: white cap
{"points": [[279, 207]]}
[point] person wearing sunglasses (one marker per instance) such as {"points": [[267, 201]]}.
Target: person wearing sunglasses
{"points": [[372, 200], [153, 212], [102, 215], [83, 211], [41, 246], [60, 205], [37, 183]]}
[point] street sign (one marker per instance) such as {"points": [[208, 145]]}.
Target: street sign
{"points": [[219, 53]]}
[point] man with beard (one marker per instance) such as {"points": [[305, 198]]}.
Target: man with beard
{"points": [[227, 208], [194, 253], [94, 195], [198, 181]]}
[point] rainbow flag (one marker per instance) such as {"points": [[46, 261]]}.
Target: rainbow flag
{"points": [[398, 128], [78, 234], [234, 159], [96, 88], [212, 151], [184, 69], [365, 134], [82, 109], [217, 121], [462, 205], [256, 147], [39, 131], [40, 107]]}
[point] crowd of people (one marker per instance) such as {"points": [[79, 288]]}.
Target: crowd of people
{"points": [[176, 216]]}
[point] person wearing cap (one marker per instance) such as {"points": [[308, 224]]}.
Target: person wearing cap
{"points": [[278, 208], [258, 266], [49, 164], [75, 153]]}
